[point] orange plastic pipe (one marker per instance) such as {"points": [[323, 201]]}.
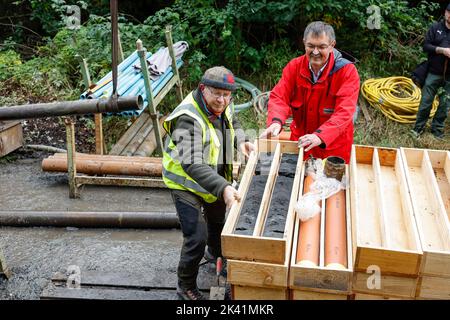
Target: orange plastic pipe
{"points": [[309, 236], [98, 157], [335, 232]]}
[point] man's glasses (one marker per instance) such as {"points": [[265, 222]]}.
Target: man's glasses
{"points": [[312, 47], [225, 96]]}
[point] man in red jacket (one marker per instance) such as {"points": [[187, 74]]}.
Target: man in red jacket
{"points": [[320, 90]]}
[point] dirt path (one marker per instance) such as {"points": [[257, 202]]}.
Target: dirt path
{"points": [[35, 254]]}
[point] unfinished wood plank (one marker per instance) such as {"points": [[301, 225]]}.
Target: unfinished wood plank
{"points": [[311, 278], [384, 226], [270, 145], [249, 248], [257, 273], [233, 215], [367, 215], [262, 213], [290, 221], [255, 293], [149, 145], [440, 161], [311, 295], [364, 296], [389, 285], [129, 134], [434, 288], [62, 293]]}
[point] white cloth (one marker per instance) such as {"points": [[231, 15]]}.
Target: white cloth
{"points": [[161, 60]]}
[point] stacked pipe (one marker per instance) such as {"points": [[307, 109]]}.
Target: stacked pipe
{"points": [[335, 246], [105, 164]]}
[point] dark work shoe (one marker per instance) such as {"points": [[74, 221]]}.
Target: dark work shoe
{"points": [[190, 294], [209, 256]]}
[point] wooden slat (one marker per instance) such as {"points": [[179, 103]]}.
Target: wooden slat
{"points": [[440, 161], [233, 215], [311, 295], [267, 196], [384, 226], [249, 248], [389, 285], [257, 273], [129, 134], [434, 288], [255, 293], [270, 145]]}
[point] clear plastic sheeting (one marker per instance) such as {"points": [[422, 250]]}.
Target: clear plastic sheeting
{"points": [[322, 188]]}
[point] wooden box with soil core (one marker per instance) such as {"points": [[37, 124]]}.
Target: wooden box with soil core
{"points": [[257, 235], [428, 176], [386, 243], [321, 262]]}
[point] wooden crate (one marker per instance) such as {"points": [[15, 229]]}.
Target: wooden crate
{"points": [[428, 176], [239, 292], [11, 136], [325, 281], [313, 295], [256, 260], [384, 231], [363, 296]]}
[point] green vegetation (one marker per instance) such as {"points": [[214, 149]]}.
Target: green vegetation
{"points": [[255, 39]]}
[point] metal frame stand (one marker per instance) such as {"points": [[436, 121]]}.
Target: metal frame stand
{"points": [[76, 181]]}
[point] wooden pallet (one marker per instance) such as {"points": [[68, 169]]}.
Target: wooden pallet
{"points": [[386, 240], [96, 285], [139, 139], [11, 136], [428, 176], [321, 282], [257, 261]]}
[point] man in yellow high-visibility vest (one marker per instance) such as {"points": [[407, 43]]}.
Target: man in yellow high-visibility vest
{"points": [[197, 166]]}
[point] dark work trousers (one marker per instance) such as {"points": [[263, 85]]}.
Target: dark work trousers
{"points": [[432, 83], [200, 228]]}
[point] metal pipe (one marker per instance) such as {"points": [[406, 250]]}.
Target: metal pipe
{"points": [[64, 108], [166, 220]]}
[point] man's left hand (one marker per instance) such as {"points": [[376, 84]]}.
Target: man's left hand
{"points": [[246, 148], [310, 141]]}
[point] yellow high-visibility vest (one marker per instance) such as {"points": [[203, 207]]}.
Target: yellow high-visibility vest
{"points": [[173, 174]]}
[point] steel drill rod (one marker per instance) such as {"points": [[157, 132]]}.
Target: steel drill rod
{"points": [[64, 108], [165, 220]]}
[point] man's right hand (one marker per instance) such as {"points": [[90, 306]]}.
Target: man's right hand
{"points": [[444, 51], [230, 194], [272, 131]]}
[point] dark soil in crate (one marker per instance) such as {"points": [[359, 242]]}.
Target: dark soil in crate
{"points": [[264, 163], [281, 196], [250, 208]]}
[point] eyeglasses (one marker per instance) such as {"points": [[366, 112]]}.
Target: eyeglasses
{"points": [[312, 47], [217, 95]]}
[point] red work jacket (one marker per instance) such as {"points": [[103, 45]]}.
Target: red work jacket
{"points": [[325, 108]]}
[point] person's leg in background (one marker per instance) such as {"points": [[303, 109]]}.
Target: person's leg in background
{"points": [[437, 125], [429, 90]]}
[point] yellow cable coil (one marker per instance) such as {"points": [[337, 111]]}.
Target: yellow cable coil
{"points": [[398, 98]]}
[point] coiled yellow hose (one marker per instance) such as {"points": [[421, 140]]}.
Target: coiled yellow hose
{"points": [[398, 98]]}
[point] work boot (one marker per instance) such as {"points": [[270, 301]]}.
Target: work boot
{"points": [[414, 134], [190, 294]]}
